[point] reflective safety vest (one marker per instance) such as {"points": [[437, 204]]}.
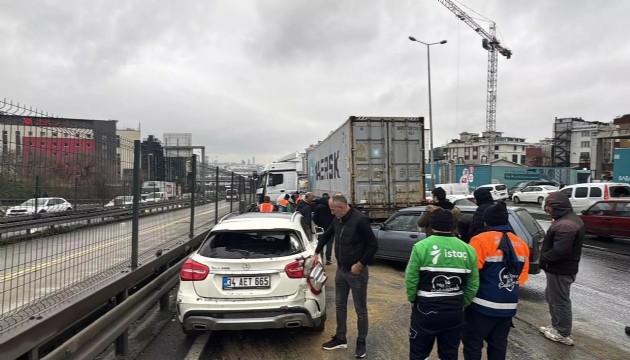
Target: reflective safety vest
{"points": [[265, 207], [283, 202], [498, 289]]}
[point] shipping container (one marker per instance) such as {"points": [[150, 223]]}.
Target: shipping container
{"points": [[377, 162], [621, 165]]}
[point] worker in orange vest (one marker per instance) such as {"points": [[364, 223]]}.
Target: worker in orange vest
{"points": [[266, 206]]}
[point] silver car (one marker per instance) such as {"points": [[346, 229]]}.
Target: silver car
{"points": [[400, 232]]}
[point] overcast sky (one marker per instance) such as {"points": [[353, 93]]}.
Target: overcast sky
{"points": [[266, 78]]}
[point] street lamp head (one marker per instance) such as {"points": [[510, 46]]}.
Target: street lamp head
{"points": [[412, 38], [443, 42]]}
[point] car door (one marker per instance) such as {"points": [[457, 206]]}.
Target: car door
{"points": [[527, 194], [580, 200], [52, 205], [397, 235], [620, 224], [598, 218]]}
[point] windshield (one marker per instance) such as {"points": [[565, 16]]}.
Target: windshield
{"points": [[251, 244], [521, 184], [154, 196], [31, 202]]}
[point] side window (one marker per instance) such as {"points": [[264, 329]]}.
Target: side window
{"points": [[537, 189], [501, 187], [623, 209], [275, 179], [619, 191], [568, 192], [602, 208], [403, 222], [595, 192], [307, 229], [581, 192]]}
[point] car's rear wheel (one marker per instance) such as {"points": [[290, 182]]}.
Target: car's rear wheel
{"points": [[42, 211], [69, 209], [540, 200], [515, 199], [191, 333]]}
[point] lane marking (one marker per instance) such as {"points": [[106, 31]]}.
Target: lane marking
{"points": [[116, 240], [196, 350]]}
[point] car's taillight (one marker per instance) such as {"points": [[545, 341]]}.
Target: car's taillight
{"points": [[606, 193], [295, 269], [193, 271]]}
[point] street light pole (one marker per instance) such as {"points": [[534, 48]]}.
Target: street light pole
{"points": [[428, 45]]}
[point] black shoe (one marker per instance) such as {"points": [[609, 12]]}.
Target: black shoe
{"points": [[360, 352], [335, 343], [328, 262]]}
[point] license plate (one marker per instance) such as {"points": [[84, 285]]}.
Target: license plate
{"points": [[246, 282]]}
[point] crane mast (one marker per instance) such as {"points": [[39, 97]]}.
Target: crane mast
{"points": [[494, 48]]}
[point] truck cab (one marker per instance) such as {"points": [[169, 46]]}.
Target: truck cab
{"points": [[276, 179]]}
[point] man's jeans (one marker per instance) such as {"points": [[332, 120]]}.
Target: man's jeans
{"points": [[345, 281], [558, 297]]}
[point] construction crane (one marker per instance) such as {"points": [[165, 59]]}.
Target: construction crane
{"points": [[490, 43]]}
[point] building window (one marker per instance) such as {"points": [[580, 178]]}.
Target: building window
{"points": [[42, 133], [496, 156], [30, 133], [76, 144], [54, 144], [514, 147], [515, 158], [89, 145], [586, 133], [586, 144], [43, 143], [88, 135], [496, 147], [65, 144], [54, 134], [65, 135]]}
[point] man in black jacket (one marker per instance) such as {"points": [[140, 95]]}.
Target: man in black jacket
{"points": [[439, 201], [355, 247], [560, 259], [322, 217], [304, 207], [484, 199]]}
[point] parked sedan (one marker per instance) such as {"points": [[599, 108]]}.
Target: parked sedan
{"points": [[535, 194], [608, 218], [400, 232], [40, 206]]}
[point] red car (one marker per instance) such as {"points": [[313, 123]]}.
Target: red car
{"points": [[608, 218]]}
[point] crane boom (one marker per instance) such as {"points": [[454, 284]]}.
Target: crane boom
{"points": [[490, 43]]}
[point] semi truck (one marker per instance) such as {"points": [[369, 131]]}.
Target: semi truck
{"points": [[285, 176], [377, 162]]}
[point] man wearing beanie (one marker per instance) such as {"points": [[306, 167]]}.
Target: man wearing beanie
{"points": [[439, 202], [441, 279], [503, 262], [483, 198]]}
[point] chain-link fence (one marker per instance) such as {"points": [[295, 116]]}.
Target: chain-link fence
{"points": [[81, 205]]}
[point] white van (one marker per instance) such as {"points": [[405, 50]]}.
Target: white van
{"points": [[454, 188], [498, 191], [582, 196]]}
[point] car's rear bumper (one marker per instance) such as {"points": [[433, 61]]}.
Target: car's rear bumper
{"points": [[250, 320]]}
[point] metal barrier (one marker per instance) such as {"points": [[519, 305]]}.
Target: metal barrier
{"points": [[71, 261]]}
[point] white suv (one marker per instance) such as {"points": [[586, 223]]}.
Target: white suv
{"points": [[498, 191], [253, 271], [40, 206]]}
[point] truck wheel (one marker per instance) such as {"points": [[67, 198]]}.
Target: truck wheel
{"points": [[540, 200], [516, 200]]}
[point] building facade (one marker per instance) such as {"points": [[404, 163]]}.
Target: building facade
{"points": [[125, 139], [574, 145], [472, 148]]}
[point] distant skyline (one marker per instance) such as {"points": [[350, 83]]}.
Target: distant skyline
{"points": [[272, 77]]}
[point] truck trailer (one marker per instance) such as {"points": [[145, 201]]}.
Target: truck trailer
{"points": [[376, 162]]}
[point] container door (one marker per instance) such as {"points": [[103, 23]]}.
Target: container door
{"points": [[404, 153], [370, 161]]}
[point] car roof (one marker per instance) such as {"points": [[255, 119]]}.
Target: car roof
{"points": [[464, 208], [258, 221], [598, 184]]}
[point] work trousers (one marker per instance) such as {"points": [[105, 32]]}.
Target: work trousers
{"points": [[428, 325], [557, 294], [491, 329]]}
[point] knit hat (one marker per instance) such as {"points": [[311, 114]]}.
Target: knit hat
{"points": [[496, 214], [439, 193], [441, 220]]}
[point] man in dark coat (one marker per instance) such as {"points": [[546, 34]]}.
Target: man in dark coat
{"points": [[560, 259], [304, 207], [484, 199], [322, 217], [439, 202]]}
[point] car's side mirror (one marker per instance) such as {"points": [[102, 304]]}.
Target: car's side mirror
{"points": [[584, 212]]}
